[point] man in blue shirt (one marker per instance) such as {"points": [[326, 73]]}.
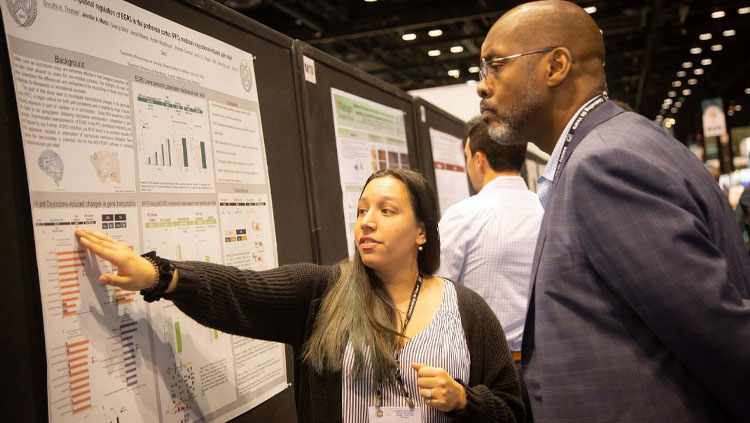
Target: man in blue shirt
{"points": [[487, 241]]}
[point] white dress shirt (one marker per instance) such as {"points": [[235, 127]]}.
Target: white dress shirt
{"points": [[487, 243]]}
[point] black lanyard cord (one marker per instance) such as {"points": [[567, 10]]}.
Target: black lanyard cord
{"points": [[407, 319], [577, 119]]}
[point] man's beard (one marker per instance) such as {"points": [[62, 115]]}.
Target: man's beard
{"points": [[507, 129]]}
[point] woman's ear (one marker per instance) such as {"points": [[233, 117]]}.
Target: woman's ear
{"points": [[422, 236]]}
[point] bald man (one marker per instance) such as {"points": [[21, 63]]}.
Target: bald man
{"points": [[639, 308]]}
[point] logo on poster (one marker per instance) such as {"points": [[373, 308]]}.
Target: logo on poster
{"points": [[246, 74], [23, 11]]}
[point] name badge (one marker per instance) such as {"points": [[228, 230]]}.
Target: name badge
{"points": [[394, 415]]}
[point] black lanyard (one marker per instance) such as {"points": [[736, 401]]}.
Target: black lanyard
{"points": [[598, 100], [399, 379]]}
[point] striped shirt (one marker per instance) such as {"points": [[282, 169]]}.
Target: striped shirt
{"points": [[441, 344]]}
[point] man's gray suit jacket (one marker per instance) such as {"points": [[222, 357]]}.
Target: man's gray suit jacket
{"points": [[639, 309]]}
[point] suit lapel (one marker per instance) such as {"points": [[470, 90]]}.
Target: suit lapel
{"points": [[606, 111]]}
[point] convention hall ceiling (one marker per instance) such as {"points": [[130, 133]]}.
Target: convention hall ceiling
{"points": [[654, 47]]}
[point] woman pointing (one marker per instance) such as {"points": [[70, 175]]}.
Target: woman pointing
{"points": [[375, 337]]}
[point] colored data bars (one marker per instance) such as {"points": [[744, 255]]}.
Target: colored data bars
{"points": [[69, 264], [78, 375]]}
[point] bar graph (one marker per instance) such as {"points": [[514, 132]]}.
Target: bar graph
{"points": [[127, 331], [70, 266], [186, 154], [174, 141], [78, 375]]}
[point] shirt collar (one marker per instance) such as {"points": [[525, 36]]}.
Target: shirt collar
{"points": [[551, 169], [504, 182]]}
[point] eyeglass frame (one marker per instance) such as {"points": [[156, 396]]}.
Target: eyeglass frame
{"points": [[484, 64]]}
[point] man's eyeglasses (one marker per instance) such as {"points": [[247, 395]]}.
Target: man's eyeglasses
{"points": [[487, 67]]}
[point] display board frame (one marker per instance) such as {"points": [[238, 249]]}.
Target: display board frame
{"points": [[24, 350], [328, 72]]}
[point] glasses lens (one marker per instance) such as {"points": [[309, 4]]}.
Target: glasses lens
{"points": [[482, 69]]}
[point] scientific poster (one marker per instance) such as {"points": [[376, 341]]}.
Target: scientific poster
{"points": [[450, 168], [369, 137], [150, 132]]}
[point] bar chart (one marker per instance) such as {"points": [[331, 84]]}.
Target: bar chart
{"points": [[182, 233], [70, 268], [78, 375], [174, 141]]}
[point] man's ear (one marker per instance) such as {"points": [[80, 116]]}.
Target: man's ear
{"points": [[558, 66], [480, 159]]}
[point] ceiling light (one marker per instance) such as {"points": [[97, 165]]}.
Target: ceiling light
{"points": [[698, 71], [678, 104], [457, 49], [686, 91], [590, 10], [676, 83], [717, 47], [729, 33], [692, 81], [433, 53], [705, 36], [668, 101], [747, 90], [706, 62], [474, 69], [674, 109], [743, 10], [687, 65], [718, 14], [409, 37], [738, 107], [730, 112], [672, 94], [454, 73], [681, 74], [696, 50], [435, 33]]}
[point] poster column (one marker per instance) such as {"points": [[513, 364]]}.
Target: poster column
{"points": [[450, 172], [369, 137]]}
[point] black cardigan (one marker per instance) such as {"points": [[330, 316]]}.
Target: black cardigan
{"points": [[281, 305]]}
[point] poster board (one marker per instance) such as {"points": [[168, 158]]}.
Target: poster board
{"points": [[354, 124], [437, 127], [121, 189]]}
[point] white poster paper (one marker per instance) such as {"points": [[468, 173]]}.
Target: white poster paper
{"points": [[149, 131], [369, 137], [450, 172]]}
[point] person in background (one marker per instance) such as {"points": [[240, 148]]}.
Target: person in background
{"points": [[640, 301], [744, 215], [373, 336], [487, 241]]}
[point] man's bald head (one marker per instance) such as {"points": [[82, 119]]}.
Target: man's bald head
{"points": [[552, 23]]}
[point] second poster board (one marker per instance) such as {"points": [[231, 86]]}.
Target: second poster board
{"points": [[441, 138], [355, 124]]}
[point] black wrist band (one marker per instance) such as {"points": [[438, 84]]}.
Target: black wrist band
{"points": [[165, 273]]}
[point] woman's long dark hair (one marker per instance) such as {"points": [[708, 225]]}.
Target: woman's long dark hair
{"points": [[358, 292]]}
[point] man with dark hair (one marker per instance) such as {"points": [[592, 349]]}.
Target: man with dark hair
{"points": [[640, 300], [487, 241]]}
